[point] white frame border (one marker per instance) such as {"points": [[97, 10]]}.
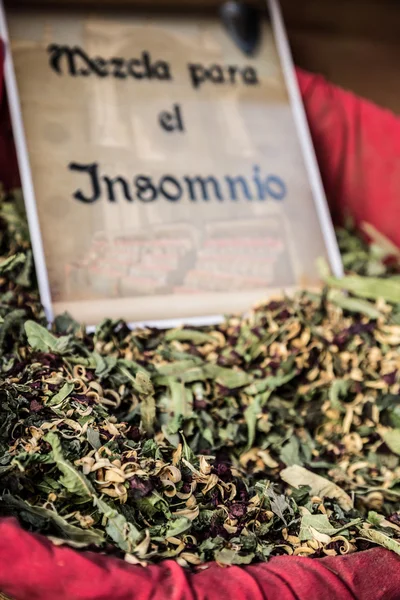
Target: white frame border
{"points": [[303, 134], [14, 104]]}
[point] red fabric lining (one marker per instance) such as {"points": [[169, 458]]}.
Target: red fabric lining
{"points": [[9, 176], [32, 568], [358, 149]]}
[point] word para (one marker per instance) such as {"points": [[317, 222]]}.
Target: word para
{"points": [[218, 74], [78, 63], [174, 189]]}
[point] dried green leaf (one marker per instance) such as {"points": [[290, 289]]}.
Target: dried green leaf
{"points": [[374, 518], [93, 437], [392, 440], [12, 321], [229, 556], [189, 335], [25, 459], [178, 526], [372, 288], [297, 476], [104, 364], [122, 532], [12, 262], [355, 305], [178, 368], [64, 392], [148, 413], [338, 389], [39, 338], [143, 383], [380, 538], [65, 324], [290, 453], [74, 481], [82, 537], [273, 382], [228, 378], [318, 523], [251, 415]]}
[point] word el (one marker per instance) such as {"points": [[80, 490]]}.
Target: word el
{"points": [[172, 120]]}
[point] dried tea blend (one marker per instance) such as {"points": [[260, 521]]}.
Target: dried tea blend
{"points": [[274, 433]]}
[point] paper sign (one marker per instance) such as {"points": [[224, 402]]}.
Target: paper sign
{"points": [[167, 175]]}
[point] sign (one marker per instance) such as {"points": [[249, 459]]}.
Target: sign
{"points": [[166, 174]]}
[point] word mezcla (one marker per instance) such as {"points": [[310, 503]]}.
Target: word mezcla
{"points": [[79, 64], [173, 189]]}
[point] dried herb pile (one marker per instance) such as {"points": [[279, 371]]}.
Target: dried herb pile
{"points": [[278, 433]]}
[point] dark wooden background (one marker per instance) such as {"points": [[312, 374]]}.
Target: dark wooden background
{"points": [[354, 43]]}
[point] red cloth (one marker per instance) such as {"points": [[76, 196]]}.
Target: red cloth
{"points": [[33, 569], [358, 149], [9, 176]]}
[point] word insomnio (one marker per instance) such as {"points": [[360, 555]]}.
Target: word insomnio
{"points": [[75, 62], [173, 189]]}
